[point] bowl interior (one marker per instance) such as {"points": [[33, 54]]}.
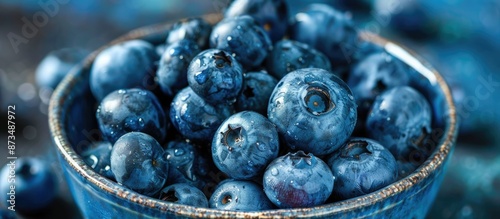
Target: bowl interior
{"points": [[74, 127]]}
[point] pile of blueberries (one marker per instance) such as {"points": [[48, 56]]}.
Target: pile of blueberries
{"points": [[262, 110]]}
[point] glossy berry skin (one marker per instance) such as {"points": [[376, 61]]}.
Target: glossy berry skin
{"points": [[138, 162], [373, 75], [183, 193], [124, 111], [360, 167], [194, 29], [99, 158], [290, 55], [35, 184], [56, 65], [243, 38], [298, 180], [215, 76], [194, 118], [400, 119], [257, 88], [172, 70], [244, 145], [272, 15], [313, 109], [239, 195], [130, 64], [186, 164], [326, 29]]}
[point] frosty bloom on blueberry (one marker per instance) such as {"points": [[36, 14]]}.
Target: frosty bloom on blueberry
{"points": [[244, 144], [239, 195], [130, 64], [138, 162], [194, 118], [243, 38], [313, 109], [400, 119], [130, 110], [298, 180], [361, 166], [215, 76]]}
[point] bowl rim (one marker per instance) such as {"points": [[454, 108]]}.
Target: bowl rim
{"points": [[433, 162]]}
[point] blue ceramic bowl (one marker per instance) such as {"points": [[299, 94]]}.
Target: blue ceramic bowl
{"points": [[73, 127]]}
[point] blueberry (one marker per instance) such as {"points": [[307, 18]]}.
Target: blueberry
{"points": [[257, 88], [373, 75], [172, 70], [244, 145], [138, 162], [243, 38], [194, 118], [360, 167], [272, 15], [326, 29], [186, 164], [29, 182], [125, 65], [313, 109], [298, 180], [215, 76], [239, 195], [98, 157], [195, 29], [130, 110], [56, 65], [400, 119], [183, 193], [411, 18], [290, 55]]}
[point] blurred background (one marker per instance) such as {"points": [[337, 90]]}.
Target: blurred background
{"points": [[461, 39]]}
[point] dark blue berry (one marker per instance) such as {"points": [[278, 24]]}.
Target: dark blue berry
{"points": [[172, 70], [98, 157], [29, 182], [257, 88], [243, 38], [373, 75], [125, 65], [313, 109], [410, 18], [183, 193], [326, 29], [56, 65], [244, 145], [215, 76], [272, 15], [195, 29], [138, 162], [289, 55], [186, 164], [194, 118], [130, 110], [360, 167], [400, 119], [298, 180], [239, 195]]}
